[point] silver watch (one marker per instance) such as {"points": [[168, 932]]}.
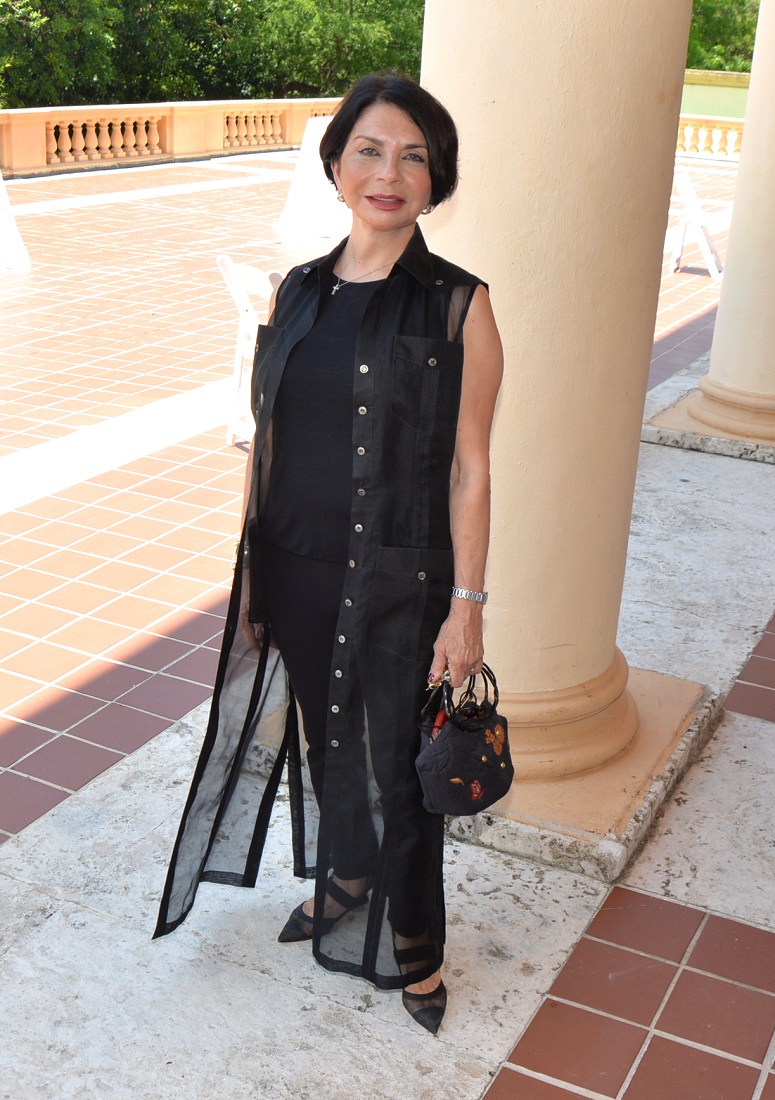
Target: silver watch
{"points": [[468, 594]]}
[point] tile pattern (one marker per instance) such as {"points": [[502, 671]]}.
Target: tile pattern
{"points": [[146, 312], [754, 691], [114, 625], [657, 1000]]}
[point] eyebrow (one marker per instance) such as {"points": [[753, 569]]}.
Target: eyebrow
{"points": [[378, 141]]}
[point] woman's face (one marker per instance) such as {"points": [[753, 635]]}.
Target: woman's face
{"points": [[384, 172]]}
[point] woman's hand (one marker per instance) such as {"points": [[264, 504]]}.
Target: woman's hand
{"points": [[459, 646]]}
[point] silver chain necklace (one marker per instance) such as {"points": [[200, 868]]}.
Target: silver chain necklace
{"points": [[340, 282]]}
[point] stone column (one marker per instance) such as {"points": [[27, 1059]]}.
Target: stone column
{"points": [[738, 395], [568, 117]]}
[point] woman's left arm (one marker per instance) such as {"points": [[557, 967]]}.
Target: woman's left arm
{"points": [[459, 646]]}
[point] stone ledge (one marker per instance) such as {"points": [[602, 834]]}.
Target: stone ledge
{"points": [[593, 824], [667, 422]]}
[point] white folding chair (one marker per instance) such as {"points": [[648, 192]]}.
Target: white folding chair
{"points": [[694, 221], [247, 284]]}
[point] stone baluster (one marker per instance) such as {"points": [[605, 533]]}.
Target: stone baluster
{"points": [[116, 140], [251, 128], [261, 128], [277, 131], [103, 141], [64, 144], [51, 144], [141, 138], [78, 142], [153, 136], [241, 138], [231, 132], [129, 138], [90, 141]]}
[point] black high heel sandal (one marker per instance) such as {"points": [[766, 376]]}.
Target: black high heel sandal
{"points": [[427, 1009], [299, 925]]}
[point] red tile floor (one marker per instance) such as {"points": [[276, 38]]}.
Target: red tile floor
{"points": [[658, 1001], [113, 594]]}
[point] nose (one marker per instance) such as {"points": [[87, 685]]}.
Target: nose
{"points": [[390, 167]]}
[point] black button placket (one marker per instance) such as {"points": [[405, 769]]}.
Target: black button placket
{"points": [[341, 685]]}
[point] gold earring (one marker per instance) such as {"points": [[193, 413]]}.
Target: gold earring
{"points": [[339, 196], [428, 208]]}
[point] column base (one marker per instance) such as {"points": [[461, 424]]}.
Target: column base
{"points": [[593, 824], [573, 730], [734, 410], [680, 426]]}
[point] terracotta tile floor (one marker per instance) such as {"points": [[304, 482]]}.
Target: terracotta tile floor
{"points": [[658, 1001], [754, 691], [113, 593]]}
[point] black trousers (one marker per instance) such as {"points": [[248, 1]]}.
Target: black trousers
{"points": [[302, 597]]}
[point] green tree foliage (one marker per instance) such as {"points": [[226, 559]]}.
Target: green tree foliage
{"points": [[56, 51], [134, 51], [318, 47], [722, 34]]}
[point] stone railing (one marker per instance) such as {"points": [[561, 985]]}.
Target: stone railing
{"points": [[48, 139], [714, 138]]}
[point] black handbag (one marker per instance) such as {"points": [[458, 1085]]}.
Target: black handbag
{"points": [[464, 761]]}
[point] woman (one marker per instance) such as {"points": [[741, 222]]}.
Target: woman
{"points": [[360, 575]]}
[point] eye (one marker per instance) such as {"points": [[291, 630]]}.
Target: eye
{"points": [[416, 158], [368, 151]]}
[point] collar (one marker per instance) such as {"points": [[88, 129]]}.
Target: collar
{"points": [[416, 260]]}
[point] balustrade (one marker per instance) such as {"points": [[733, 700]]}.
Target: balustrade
{"points": [[49, 139], [715, 138], [105, 138], [243, 129]]}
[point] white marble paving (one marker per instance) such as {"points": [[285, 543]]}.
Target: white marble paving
{"points": [[89, 1000], [714, 845], [700, 581]]}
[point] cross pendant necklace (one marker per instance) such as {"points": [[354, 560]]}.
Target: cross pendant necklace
{"points": [[340, 282]]}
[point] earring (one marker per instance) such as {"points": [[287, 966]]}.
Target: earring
{"points": [[428, 208], [339, 196]]}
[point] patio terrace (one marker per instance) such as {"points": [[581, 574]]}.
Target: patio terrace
{"points": [[120, 504]]}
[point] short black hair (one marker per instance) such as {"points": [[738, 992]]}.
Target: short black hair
{"points": [[425, 111]]}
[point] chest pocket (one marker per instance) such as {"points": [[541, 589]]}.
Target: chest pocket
{"points": [[426, 377]]}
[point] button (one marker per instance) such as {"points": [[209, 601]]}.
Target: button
{"points": [[421, 576], [439, 282], [364, 369], [361, 450], [351, 563], [362, 410], [359, 527], [348, 603], [431, 362], [342, 639], [335, 710], [306, 270], [361, 492], [334, 744], [339, 674]]}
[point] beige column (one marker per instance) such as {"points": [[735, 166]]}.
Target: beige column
{"points": [[738, 396], [568, 115]]}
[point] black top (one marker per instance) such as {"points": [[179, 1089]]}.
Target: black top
{"points": [[307, 509]]}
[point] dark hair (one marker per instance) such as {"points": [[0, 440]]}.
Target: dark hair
{"points": [[425, 111]]}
